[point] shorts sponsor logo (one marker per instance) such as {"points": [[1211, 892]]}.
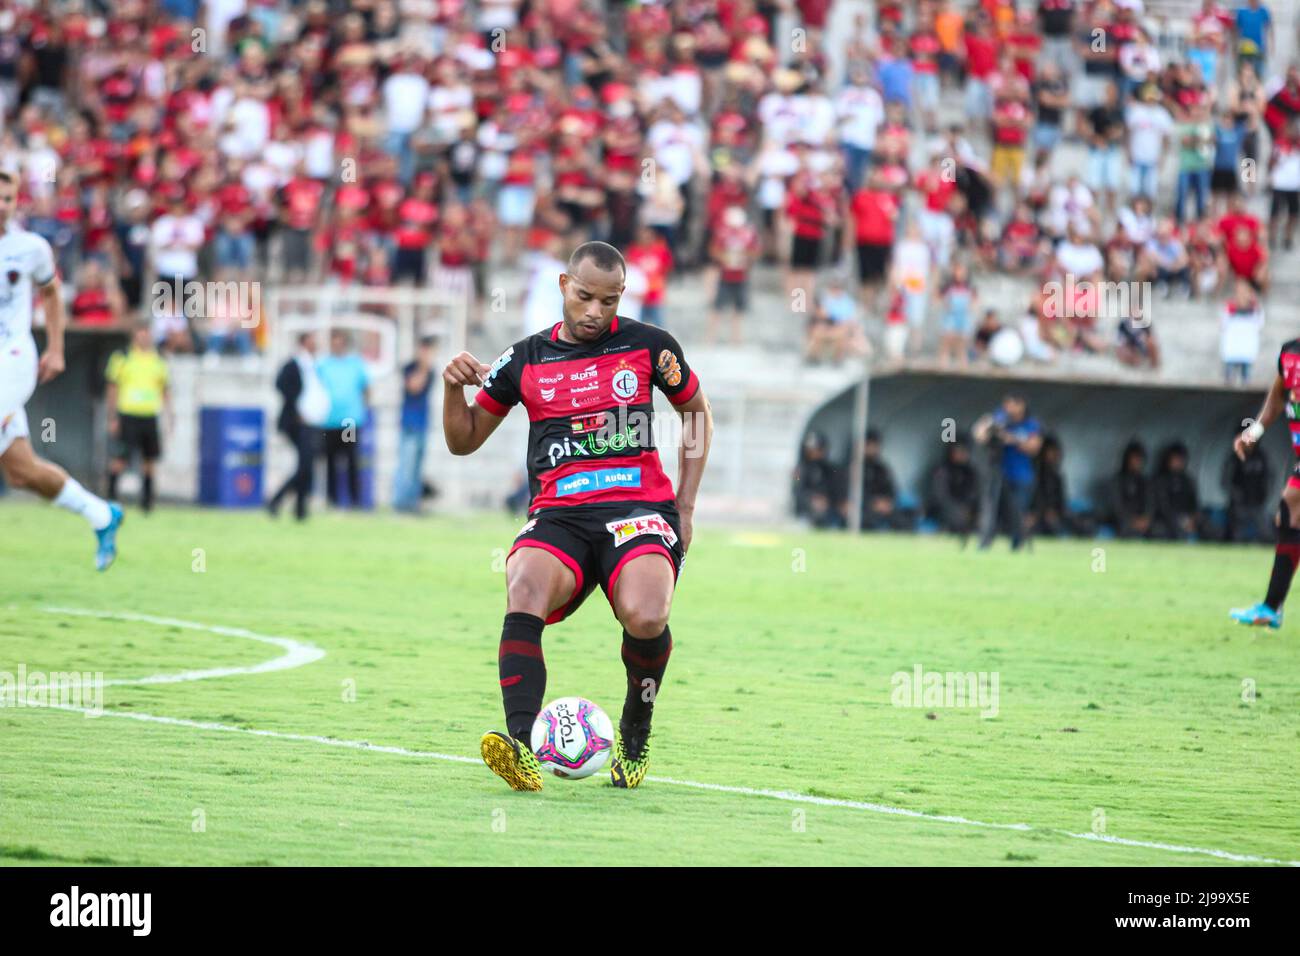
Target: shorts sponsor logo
{"points": [[669, 368], [598, 480], [528, 526], [581, 424], [628, 528]]}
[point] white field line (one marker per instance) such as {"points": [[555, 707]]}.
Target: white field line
{"points": [[307, 653], [296, 653]]}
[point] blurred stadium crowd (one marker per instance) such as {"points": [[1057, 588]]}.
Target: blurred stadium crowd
{"points": [[888, 169]]}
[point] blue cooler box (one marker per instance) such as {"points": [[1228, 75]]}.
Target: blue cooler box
{"points": [[231, 448]]}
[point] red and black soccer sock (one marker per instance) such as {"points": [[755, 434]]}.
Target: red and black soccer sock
{"points": [[523, 673], [1285, 559], [645, 660]]}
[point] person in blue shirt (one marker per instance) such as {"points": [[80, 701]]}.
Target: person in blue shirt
{"points": [[1013, 438], [1254, 34], [344, 376], [417, 377]]}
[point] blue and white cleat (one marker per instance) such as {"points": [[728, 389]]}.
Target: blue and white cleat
{"points": [[107, 537], [1260, 614]]}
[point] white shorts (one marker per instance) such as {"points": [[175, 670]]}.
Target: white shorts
{"points": [[17, 382]]}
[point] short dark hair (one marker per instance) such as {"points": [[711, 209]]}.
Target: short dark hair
{"points": [[605, 256]]}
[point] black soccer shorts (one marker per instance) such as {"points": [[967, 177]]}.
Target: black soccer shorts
{"points": [[137, 433], [596, 541]]}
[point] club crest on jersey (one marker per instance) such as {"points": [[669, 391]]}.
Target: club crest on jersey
{"points": [[628, 528], [624, 383], [669, 368]]}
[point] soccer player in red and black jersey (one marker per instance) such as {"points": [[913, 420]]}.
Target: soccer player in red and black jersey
{"points": [[1283, 396], [602, 509]]}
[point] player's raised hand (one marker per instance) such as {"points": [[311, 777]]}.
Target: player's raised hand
{"points": [[1243, 446], [464, 370], [50, 366]]}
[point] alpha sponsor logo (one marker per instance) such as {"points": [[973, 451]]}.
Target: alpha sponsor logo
{"points": [[585, 481], [626, 529], [132, 910], [589, 372], [624, 383], [669, 368]]}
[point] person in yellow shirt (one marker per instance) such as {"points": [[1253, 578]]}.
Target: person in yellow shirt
{"points": [[138, 393]]}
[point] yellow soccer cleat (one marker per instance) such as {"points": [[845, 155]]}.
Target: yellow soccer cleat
{"points": [[511, 761], [631, 756]]}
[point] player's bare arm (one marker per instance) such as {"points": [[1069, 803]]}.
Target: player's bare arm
{"points": [[697, 436], [466, 427], [1274, 402], [51, 362]]}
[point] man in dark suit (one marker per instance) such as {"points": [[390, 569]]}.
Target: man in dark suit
{"points": [[305, 407]]}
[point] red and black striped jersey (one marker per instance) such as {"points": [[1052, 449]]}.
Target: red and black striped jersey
{"points": [[591, 411], [1288, 366]]}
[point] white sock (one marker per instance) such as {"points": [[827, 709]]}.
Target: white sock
{"points": [[78, 500]]}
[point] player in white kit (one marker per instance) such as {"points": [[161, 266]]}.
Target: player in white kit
{"points": [[26, 260]]}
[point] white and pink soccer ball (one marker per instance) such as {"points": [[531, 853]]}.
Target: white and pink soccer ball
{"points": [[572, 738]]}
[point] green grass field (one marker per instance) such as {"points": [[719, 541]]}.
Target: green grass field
{"points": [[1121, 708]]}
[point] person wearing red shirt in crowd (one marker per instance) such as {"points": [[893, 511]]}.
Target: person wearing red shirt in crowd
{"points": [[1237, 216], [1025, 45], [1018, 250], [1247, 256], [342, 244], [807, 210], [981, 63], [1284, 105], [728, 190], [98, 301], [416, 217], [300, 205], [875, 210], [453, 274], [734, 248], [924, 48], [938, 184], [650, 254], [1010, 131]]}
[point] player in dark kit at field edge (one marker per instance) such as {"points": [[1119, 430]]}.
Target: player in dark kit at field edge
{"points": [[1284, 395], [602, 510]]}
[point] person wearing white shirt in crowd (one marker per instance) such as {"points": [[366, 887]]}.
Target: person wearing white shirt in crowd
{"points": [[769, 173], [176, 237], [1078, 256], [405, 95], [1149, 125], [860, 111], [1284, 182]]}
